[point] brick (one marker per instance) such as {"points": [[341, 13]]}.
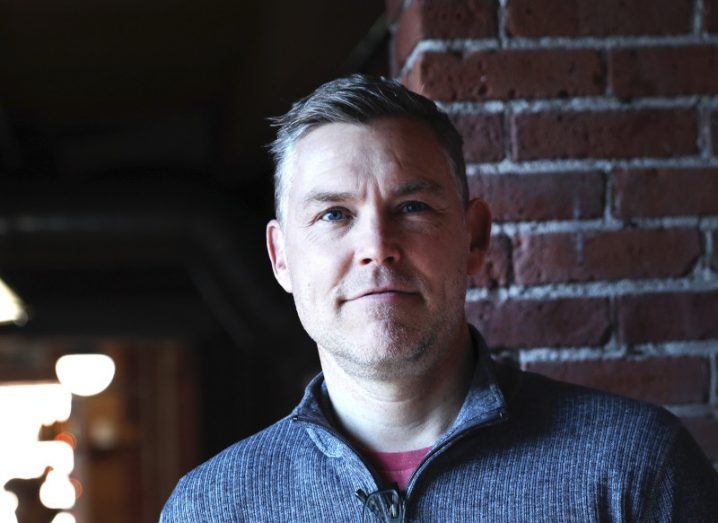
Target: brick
{"points": [[714, 257], [604, 134], [604, 255], [508, 74], [650, 318], [483, 136], [710, 20], [663, 380], [714, 132], [664, 71], [705, 432], [540, 196], [665, 192], [604, 18], [542, 323], [426, 19], [495, 272]]}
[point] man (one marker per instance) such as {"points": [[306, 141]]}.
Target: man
{"points": [[375, 237]]}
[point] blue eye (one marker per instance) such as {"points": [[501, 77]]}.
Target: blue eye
{"points": [[412, 207], [333, 215]]}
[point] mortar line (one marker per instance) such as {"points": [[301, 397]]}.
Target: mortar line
{"points": [[708, 110], [613, 342], [562, 42], [710, 248], [608, 195], [713, 382], [703, 131], [501, 20], [595, 164], [603, 56], [579, 103], [595, 289], [566, 354], [698, 13], [705, 348], [703, 223], [508, 134]]}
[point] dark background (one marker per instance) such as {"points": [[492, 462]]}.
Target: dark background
{"points": [[135, 183]]}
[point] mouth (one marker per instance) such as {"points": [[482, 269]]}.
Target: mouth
{"points": [[383, 294]]}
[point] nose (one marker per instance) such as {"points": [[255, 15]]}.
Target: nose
{"points": [[377, 243]]}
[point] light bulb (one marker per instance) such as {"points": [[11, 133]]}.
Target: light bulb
{"points": [[57, 491], [11, 308], [8, 506], [85, 374], [63, 517]]}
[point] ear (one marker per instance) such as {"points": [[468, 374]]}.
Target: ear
{"points": [[275, 248], [478, 223]]}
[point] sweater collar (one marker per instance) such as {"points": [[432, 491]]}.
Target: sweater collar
{"points": [[484, 400]]}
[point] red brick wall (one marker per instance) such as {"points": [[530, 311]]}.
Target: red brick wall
{"points": [[591, 128]]}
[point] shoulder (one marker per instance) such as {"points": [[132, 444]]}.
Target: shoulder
{"points": [[615, 425], [640, 450], [215, 490], [244, 456]]}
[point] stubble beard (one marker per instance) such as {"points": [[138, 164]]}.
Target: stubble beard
{"points": [[387, 347], [386, 341]]}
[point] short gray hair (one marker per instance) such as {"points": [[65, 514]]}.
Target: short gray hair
{"points": [[360, 99]]}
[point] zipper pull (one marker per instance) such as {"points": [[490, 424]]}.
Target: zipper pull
{"points": [[387, 504], [396, 504], [361, 495], [394, 510]]}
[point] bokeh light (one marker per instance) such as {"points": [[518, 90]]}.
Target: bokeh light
{"points": [[63, 517], [85, 374], [57, 491]]}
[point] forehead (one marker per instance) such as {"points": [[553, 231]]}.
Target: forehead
{"points": [[389, 150]]}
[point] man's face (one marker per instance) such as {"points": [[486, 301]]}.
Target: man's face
{"points": [[376, 245]]}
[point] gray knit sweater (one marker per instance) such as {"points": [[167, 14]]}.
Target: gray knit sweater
{"points": [[523, 448]]}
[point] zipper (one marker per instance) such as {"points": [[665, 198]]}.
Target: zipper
{"points": [[493, 418], [329, 430], [398, 513], [397, 507]]}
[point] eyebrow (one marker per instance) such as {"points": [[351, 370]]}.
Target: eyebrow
{"points": [[403, 189], [418, 186], [326, 197]]}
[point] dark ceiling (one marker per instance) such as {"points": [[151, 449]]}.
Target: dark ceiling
{"points": [[134, 183], [89, 87]]}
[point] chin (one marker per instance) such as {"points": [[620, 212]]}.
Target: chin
{"points": [[392, 347], [389, 335]]}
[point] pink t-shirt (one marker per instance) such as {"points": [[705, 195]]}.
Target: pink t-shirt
{"points": [[397, 466]]}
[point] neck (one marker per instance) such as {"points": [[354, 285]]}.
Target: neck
{"points": [[405, 413]]}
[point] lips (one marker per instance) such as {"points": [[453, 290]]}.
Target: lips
{"points": [[380, 291]]}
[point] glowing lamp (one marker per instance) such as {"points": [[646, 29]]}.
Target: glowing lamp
{"points": [[11, 308], [85, 374], [57, 491], [63, 517], [8, 506]]}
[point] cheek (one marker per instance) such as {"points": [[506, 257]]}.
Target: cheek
{"points": [[314, 271], [445, 264], [443, 250]]}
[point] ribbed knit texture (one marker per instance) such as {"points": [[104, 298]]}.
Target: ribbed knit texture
{"points": [[535, 450]]}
